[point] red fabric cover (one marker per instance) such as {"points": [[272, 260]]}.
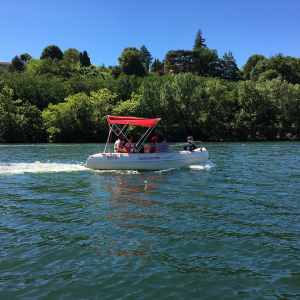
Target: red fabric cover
{"points": [[131, 121]]}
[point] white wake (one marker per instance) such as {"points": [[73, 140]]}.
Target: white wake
{"points": [[38, 167], [203, 166]]}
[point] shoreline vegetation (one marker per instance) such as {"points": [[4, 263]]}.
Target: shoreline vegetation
{"points": [[61, 97]]}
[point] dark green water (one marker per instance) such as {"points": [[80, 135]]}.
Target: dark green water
{"points": [[229, 229]]}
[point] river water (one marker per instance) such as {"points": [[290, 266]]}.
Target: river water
{"points": [[227, 229]]}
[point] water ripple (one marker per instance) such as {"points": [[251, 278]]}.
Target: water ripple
{"points": [[228, 229]]}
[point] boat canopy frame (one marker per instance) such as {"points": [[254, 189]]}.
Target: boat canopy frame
{"points": [[130, 121]]}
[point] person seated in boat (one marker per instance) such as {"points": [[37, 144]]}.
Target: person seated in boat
{"points": [[119, 144], [189, 146], [162, 145], [153, 146], [128, 147]]}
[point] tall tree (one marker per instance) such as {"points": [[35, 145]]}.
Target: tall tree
{"points": [[25, 57], [52, 51], [251, 63], [9, 118], [199, 41], [229, 67], [287, 66], [84, 59], [179, 61], [17, 64], [204, 60], [71, 55], [130, 62], [157, 65], [146, 57], [154, 66]]}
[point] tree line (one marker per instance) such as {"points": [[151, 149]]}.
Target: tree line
{"points": [[62, 97]]}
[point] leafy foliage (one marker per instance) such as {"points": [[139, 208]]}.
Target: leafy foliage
{"points": [[84, 59], [157, 65], [199, 40], [130, 62], [19, 123], [259, 68], [251, 63], [60, 100], [52, 51], [80, 118], [116, 71], [71, 56], [229, 69], [204, 62], [17, 64], [145, 57], [25, 57]]}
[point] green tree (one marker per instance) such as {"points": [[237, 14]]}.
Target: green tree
{"points": [[257, 114], [287, 66], [130, 107], [7, 116], [181, 103], [31, 124], [204, 61], [251, 63], [259, 68], [71, 55], [69, 121], [216, 116], [157, 65], [25, 57], [52, 51], [125, 85], [80, 118], [130, 62], [150, 98], [267, 75], [179, 61], [285, 97], [17, 64], [37, 89], [292, 110], [229, 67], [84, 59], [10, 119], [177, 100], [201, 61], [262, 69], [116, 71], [146, 57], [199, 40]]}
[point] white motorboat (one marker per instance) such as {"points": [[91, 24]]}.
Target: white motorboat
{"points": [[138, 160]]}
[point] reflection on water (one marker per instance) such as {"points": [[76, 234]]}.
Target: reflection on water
{"points": [[133, 203]]}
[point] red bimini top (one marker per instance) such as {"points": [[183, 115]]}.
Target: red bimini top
{"points": [[132, 121]]}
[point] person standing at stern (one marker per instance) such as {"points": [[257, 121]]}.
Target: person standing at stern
{"points": [[189, 146]]}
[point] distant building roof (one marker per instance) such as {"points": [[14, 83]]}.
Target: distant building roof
{"points": [[4, 65]]}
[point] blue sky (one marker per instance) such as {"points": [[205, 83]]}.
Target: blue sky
{"points": [[105, 28]]}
